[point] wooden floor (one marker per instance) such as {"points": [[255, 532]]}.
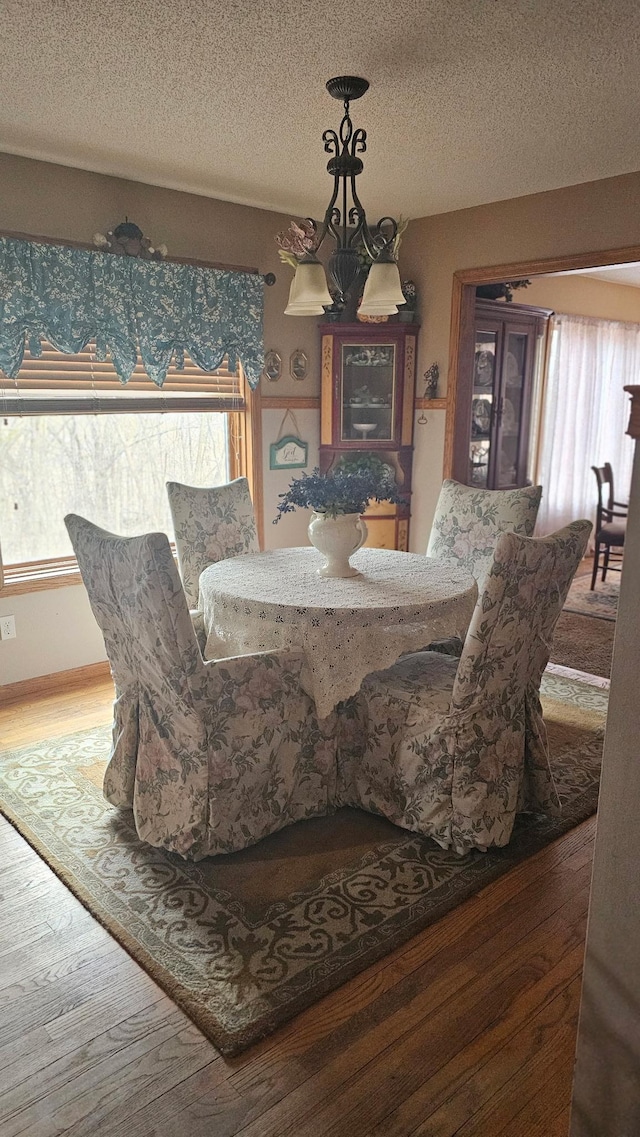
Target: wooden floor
{"points": [[469, 1029]]}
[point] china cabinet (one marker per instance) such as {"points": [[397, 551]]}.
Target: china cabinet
{"points": [[367, 408], [508, 348]]}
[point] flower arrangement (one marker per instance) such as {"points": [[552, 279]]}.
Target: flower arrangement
{"points": [[295, 242], [366, 462], [338, 492]]}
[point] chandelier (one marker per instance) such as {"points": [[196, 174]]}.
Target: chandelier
{"points": [[345, 221]]}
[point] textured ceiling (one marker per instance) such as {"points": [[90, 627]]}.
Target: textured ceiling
{"points": [[471, 100], [616, 274]]}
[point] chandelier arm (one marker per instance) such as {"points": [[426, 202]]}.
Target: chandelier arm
{"points": [[331, 142], [359, 141], [378, 242], [394, 230]]}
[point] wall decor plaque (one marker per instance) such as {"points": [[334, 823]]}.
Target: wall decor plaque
{"points": [[288, 453], [298, 364], [272, 366]]}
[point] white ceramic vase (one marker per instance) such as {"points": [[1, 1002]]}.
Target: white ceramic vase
{"points": [[337, 538]]}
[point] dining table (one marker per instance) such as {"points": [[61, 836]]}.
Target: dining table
{"points": [[346, 627]]}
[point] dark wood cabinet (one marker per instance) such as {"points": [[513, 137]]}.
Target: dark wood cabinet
{"points": [[367, 407], [507, 352]]}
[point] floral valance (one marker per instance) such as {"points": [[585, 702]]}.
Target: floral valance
{"points": [[72, 296]]}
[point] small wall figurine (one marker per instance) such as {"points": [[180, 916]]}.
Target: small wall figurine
{"points": [[431, 378], [128, 240]]}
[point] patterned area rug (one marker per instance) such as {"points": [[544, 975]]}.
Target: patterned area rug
{"points": [[244, 942], [583, 643], [602, 602]]}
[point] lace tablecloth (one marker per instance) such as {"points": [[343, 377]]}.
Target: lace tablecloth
{"points": [[346, 628]]}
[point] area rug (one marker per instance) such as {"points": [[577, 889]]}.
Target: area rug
{"points": [[584, 643], [602, 602], [243, 943]]}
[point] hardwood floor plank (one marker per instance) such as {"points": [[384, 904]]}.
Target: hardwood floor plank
{"points": [[29, 958], [559, 1127], [63, 986], [80, 1058], [83, 1095], [510, 1116], [478, 1072], [43, 1045], [101, 1100]]}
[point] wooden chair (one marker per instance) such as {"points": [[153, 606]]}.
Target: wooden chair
{"points": [[611, 524]]}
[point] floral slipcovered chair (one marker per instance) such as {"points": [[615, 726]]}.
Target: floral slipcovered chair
{"points": [[469, 521], [454, 749], [211, 757], [210, 524], [467, 525]]}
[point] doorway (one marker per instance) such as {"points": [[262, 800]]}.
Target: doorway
{"points": [[569, 295]]}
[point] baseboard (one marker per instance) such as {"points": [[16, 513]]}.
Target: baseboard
{"points": [[42, 685]]}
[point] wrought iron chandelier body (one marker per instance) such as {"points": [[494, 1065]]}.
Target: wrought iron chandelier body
{"points": [[345, 221]]}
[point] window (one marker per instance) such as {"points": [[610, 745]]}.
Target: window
{"points": [[74, 439]]}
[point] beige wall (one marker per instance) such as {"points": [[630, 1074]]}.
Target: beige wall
{"points": [[583, 296]]}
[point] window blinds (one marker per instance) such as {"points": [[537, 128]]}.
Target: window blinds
{"points": [[55, 383]]}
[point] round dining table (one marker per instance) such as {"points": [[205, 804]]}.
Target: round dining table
{"points": [[346, 628]]}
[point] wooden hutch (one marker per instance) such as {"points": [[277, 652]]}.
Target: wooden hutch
{"points": [[367, 407], [507, 354]]}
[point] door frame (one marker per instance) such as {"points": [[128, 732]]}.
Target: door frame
{"points": [[459, 393]]}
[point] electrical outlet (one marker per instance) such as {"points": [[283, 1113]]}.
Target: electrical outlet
{"points": [[7, 627]]}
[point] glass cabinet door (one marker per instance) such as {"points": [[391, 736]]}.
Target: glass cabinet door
{"points": [[367, 392], [510, 413], [484, 377]]}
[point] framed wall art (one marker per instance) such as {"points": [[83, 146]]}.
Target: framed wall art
{"points": [[298, 364], [272, 366]]}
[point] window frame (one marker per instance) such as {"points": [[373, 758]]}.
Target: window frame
{"points": [[244, 445]]}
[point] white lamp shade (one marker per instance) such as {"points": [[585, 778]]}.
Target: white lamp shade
{"points": [[309, 293], [382, 291], [294, 308]]}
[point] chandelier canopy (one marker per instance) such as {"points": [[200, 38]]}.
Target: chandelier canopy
{"points": [[346, 222]]}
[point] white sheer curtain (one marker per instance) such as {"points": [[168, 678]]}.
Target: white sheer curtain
{"points": [[585, 415]]}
